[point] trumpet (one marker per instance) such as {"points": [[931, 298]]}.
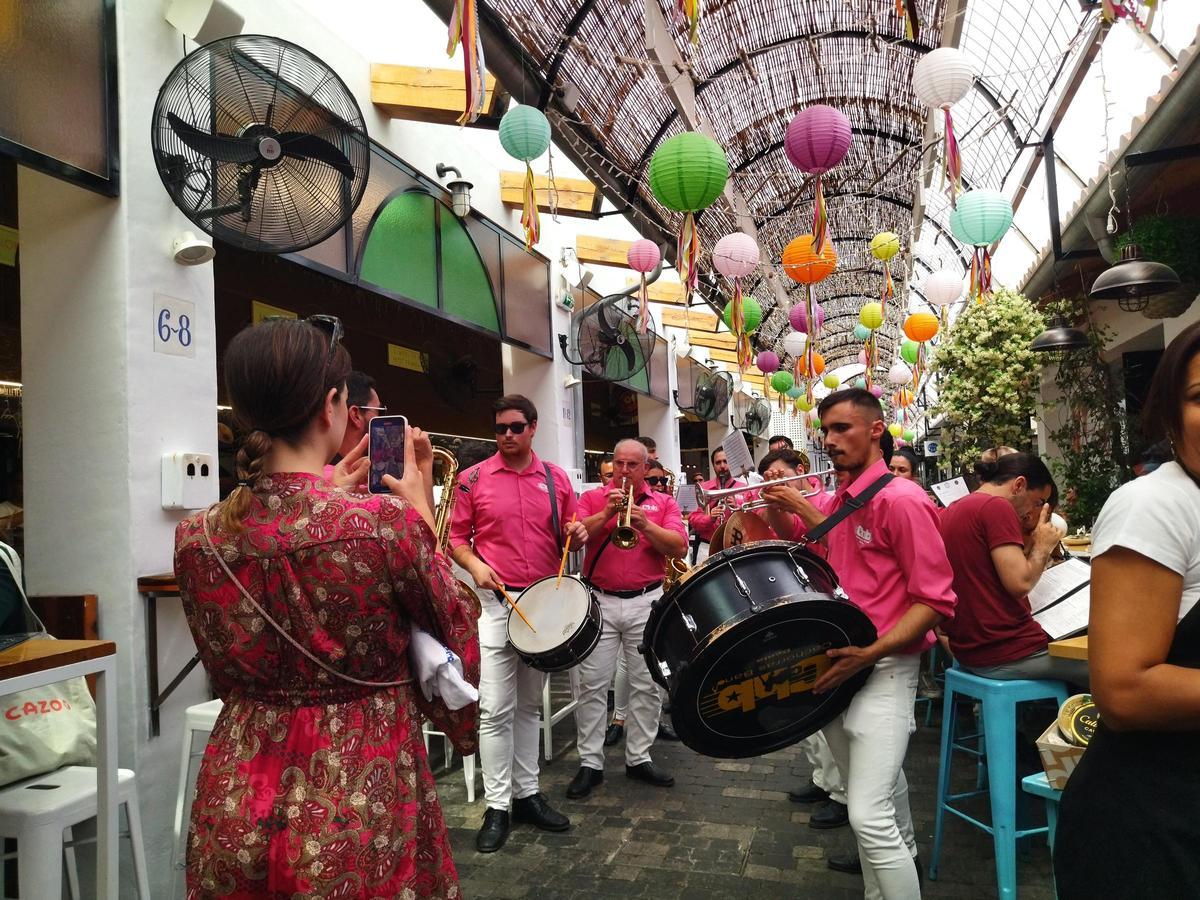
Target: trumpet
{"points": [[625, 536], [724, 495]]}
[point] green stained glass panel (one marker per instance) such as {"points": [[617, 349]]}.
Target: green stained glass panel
{"points": [[401, 253]]}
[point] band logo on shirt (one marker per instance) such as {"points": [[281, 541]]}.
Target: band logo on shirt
{"points": [[863, 535]]}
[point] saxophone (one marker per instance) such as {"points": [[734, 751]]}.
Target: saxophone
{"points": [[676, 567], [442, 517]]}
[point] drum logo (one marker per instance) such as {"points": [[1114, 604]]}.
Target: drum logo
{"points": [[776, 677]]}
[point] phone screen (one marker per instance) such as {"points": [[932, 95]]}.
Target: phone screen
{"points": [[386, 451]]}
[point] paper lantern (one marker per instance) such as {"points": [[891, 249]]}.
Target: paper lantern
{"points": [[921, 327], [943, 287], [941, 78], [909, 352], [981, 217], [895, 429], [815, 423], [687, 173], [782, 381], [735, 255], [643, 256], [909, 435], [524, 133], [803, 264], [860, 383], [810, 371], [798, 316], [899, 373], [871, 315], [795, 392], [904, 397], [862, 357], [831, 381], [817, 139], [751, 310], [794, 343], [804, 404], [876, 391], [767, 362], [885, 245], [861, 331]]}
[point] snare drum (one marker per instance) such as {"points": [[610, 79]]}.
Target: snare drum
{"points": [[568, 622], [740, 642]]}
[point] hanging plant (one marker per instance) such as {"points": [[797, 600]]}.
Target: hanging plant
{"points": [[988, 377]]}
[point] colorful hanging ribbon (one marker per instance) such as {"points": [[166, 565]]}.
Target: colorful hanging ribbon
{"points": [[820, 219], [689, 10], [464, 27], [907, 16], [889, 286], [688, 259], [981, 274], [952, 159], [737, 321], [529, 215], [644, 306]]}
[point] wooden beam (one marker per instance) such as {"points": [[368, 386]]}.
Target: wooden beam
{"points": [[575, 196], [667, 292], [682, 318], [590, 248], [423, 94], [708, 339]]}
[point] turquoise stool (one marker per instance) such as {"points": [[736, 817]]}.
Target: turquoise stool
{"points": [[999, 700], [1038, 785]]}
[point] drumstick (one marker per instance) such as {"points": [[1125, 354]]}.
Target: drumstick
{"points": [[562, 566], [517, 609]]}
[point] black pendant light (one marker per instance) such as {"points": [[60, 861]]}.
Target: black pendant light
{"points": [[1059, 336], [1133, 280]]}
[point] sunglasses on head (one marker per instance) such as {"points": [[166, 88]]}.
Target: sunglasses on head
{"points": [[514, 427], [331, 325]]}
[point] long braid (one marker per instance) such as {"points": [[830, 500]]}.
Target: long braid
{"points": [[249, 463]]}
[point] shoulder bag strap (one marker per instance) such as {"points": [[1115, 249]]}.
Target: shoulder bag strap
{"points": [[553, 506], [849, 505], [287, 637]]}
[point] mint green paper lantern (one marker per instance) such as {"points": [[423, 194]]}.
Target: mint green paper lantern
{"points": [[908, 352], [688, 172], [981, 217], [782, 381], [751, 313], [795, 392], [861, 331], [860, 383], [524, 133]]}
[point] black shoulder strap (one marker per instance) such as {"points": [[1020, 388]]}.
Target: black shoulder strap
{"points": [[553, 506], [849, 505]]}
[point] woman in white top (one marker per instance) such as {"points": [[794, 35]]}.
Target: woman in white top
{"points": [[1129, 824]]}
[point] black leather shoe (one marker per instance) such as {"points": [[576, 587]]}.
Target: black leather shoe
{"points": [[494, 832], [534, 810], [583, 782], [666, 732], [810, 793], [651, 774], [829, 814], [615, 732], [845, 862]]}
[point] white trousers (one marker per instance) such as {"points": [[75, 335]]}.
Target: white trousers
{"points": [[825, 772], [510, 702], [624, 623], [621, 691], [869, 741]]}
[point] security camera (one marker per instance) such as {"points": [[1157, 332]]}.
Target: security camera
{"points": [[190, 250]]}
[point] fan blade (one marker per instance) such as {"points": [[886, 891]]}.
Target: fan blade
{"points": [[219, 147], [299, 145]]}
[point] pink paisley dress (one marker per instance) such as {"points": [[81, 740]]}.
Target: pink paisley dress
{"points": [[312, 786]]}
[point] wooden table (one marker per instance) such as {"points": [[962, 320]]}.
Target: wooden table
{"points": [[36, 663], [151, 587], [1071, 648]]}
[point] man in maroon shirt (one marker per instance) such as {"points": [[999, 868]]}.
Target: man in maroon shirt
{"points": [[993, 633]]}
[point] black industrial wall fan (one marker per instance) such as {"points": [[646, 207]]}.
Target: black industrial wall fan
{"points": [[607, 338], [260, 144], [752, 414], [711, 392]]}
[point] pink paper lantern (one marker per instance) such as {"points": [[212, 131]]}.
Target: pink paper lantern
{"points": [[767, 362], [798, 316], [643, 255], [876, 391], [735, 255], [817, 139], [862, 357]]}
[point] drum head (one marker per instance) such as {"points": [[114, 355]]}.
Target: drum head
{"points": [[556, 609], [749, 689]]}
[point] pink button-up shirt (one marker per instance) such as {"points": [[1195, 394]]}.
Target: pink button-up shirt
{"points": [[504, 515], [889, 554], [701, 522], [628, 570]]}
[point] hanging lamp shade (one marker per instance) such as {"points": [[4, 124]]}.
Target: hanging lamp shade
{"points": [[804, 404], [942, 77], [817, 139], [643, 255], [1133, 279], [904, 397], [751, 313], [871, 315], [735, 255], [860, 383], [885, 245], [688, 172], [802, 264], [794, 343], [767, 362], [798, 316], [782, 381], [909, 435], [909, 351], [795, 392], [1059, 336], [876, 391], [981, 217], [921, 327], [524, 133], [944, 287], [862, 357]]}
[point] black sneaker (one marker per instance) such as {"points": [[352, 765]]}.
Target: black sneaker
{"points": [[534, 810], [494, 832]]}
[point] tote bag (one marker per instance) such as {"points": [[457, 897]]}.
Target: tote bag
{"points": [[44, 728]]}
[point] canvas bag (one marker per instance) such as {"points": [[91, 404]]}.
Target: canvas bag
{"points": [[48, 727]]}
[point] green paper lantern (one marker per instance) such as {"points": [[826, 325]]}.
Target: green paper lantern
{"points": [[795, 392], [981, 217], [908, 352], [782, 381], [688, 172], [816, 423], [861, 332], [751, 313], [831, 382], [909, 435], [524, 133], [871, 315], [804, 404], [895, 429]]}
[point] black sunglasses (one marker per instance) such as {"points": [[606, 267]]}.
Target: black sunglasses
{"points": [[331, 325], [514, 427], [655, 479]]}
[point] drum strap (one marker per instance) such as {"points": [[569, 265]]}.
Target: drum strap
{"points": [[553, 507], [849, 505]]}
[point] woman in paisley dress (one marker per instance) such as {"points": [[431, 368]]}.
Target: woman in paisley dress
{"points": [[315, 782]]}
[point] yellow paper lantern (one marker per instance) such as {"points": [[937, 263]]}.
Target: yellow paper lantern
{"points": [[885, 245], [895, 429], [871, 315], [804, 404], [831, 382], [921, 326]]}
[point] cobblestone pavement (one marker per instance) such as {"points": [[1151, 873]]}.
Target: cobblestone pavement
{"points": [[726, 829]]}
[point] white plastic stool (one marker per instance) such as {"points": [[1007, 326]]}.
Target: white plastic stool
{"points": [[448, 752], [198, 719], [550, 718], [39, 814]]}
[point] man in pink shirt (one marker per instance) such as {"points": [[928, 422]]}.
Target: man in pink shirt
{"points": [[892, 563], [512, 513], [627, 582], [704, 522]]}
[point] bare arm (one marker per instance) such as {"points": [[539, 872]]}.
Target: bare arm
{"points": [[1135, 605], [1018, 572], [910, 628]]}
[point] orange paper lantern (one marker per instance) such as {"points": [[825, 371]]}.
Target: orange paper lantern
{"points": [[903, 397], [921, 326], [818, 365], [803, 265]]}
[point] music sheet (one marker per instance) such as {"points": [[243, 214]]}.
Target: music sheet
{"points": [[738, 454], [685, 496]]}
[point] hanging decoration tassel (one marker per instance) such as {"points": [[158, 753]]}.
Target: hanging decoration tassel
{"points": [[688, 258], [644, 308], [820, 219], [532, 223], [464, 27], [981, 274], [889, 286], [908, 16], [737, 319], [952, 159], [689, 11]]}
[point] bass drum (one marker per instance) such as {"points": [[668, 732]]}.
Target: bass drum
{"points": [[740, 642]]}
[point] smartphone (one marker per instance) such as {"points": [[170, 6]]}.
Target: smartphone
{"points": [[386, 451]]}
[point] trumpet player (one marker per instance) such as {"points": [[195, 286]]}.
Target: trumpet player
{"points": [[703, 522], [631, 532]]}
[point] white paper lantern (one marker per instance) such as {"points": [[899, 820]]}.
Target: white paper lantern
{"points": [[944, 287], [795, 342], [735, 255], [899, 373], [942, 77]]}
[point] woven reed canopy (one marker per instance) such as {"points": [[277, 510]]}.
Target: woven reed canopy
{"points": [[591, 66]]}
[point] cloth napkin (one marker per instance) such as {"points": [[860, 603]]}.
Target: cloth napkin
{"points": [[439, 670]]}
